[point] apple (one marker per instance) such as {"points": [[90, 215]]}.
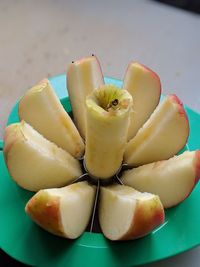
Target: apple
{"points": [[41, 108], [63, 211], [83, 76], [172, 180], [36, 163], [145, 87], [162, 136], [126, 214]]}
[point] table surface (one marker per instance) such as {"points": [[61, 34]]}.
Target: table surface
{"points": [[40, 38]]}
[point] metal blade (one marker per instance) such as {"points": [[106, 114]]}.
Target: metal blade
{"points": [[95, 206]]}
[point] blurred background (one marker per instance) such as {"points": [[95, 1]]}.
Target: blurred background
{"points": [[40, 38]]}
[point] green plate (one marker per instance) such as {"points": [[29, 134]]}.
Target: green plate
{"points": [[28, 243]]}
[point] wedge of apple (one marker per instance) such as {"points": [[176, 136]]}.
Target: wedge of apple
{"points": [[83, 76], [36, 163], [63, 211], [145, 87], [41, 108], [172, 180], [127, 214], [162, 136]]}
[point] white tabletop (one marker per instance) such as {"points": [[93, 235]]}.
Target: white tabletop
{"points": [[40, 38]]}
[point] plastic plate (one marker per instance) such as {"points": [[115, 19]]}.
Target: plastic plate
{"points": [[25, 241]]}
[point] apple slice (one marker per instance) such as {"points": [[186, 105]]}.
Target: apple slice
{"points": [[41, 108], [83, 76], [127, 214], [63, 211], [36, 163], [162, 136], [145, 87], [172, 180]]}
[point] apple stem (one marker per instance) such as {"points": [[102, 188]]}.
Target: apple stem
{"points": [[95, 206]]}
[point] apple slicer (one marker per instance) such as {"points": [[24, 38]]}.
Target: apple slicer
{"points": [[93, 225]]}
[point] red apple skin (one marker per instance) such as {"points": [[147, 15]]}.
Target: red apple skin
{"points": [[155, 75], [197, 177], [133, 70], [7, 145], [181, 112], [9, 139], [144, 221], [181, 109], [45, 211]]}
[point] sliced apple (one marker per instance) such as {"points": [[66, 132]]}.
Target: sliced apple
{"points": [[83, 76], [41, 108], [127, 214], [36, 163], [63, 211], [145, 87], [162, 136], [172, 180]]}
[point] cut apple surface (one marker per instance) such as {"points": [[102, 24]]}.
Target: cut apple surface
{"points": [[127, 214], [162, 136], [41, 108], [63, 211], [145, 87], [107, 117], [36, 163], [83, 76], [172, 180]]}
